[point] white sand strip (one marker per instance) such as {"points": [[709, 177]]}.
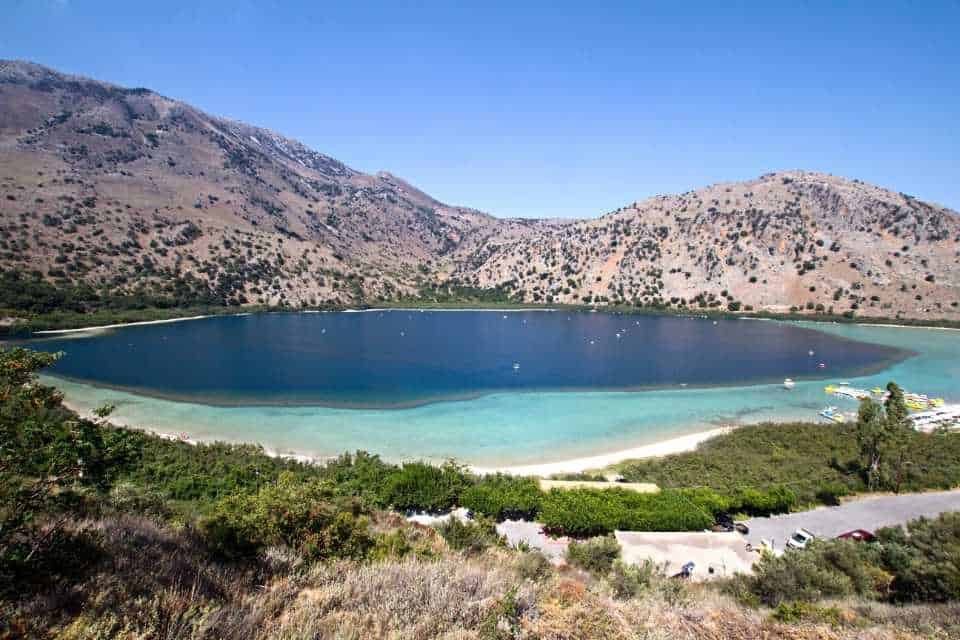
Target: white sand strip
{"points": [[674, 445], [134, 324]]}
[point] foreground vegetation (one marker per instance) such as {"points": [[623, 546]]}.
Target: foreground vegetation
{"points": [[109, 532]]}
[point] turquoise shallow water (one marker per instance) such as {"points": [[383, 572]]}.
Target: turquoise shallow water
{"points": [[505, 429]]}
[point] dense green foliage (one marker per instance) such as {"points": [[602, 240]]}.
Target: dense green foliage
{"points": [[40, 304], [49, 462], [584, 512], [920, 564], [302, 515], [424, 487], [587, 512], [203, 473], [815, 461], [504, 497]]}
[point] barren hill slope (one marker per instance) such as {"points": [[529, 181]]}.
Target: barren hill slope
{"points": [[789, 239], [127, 187], [133, 193]]}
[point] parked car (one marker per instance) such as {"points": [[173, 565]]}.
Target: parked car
{"points": [[857, 535], [800, 539], [725, 523]]}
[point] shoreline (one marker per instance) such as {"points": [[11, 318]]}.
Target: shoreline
{"points": [[678, 444], [544, 308], [119, 325]]}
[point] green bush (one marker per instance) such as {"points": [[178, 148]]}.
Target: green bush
{"points": [[918, 564], [533, 565], [596, 555], [797, 612], [925, 559], [471, 537], [585, 512], [829, 493], [627, 581], [504, 497], [297, 514], [419, 486], [776, 499], [360, 474], [803, 575]]}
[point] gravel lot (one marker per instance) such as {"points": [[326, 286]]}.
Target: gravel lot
{"points": [[864, 513], [516, 531]]}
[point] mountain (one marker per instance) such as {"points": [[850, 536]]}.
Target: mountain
{"points": [[136, 194], [785, 240]]}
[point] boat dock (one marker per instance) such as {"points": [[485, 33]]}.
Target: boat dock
{"points": [[932, 412], [946, 417]]}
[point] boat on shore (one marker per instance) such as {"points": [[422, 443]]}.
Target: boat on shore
{"points": [[833, 415]]}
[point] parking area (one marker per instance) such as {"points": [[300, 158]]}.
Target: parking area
{"points": [[869, 513], [714, 555]]}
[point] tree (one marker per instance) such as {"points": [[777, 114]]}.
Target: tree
{"points": [[46, 454], [881, 436]]}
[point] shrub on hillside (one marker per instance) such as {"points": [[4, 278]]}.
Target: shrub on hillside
{"points": [[916, 564], [503, 497], [806, 457], [755, 502], [628, 581], [297, 514], [924, 558], [806, 575], [419, 486], [471, 537], [533, 565], [361, 474], [596, 555]]}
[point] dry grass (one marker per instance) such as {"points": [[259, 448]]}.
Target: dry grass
{"points": [[155, 583]]}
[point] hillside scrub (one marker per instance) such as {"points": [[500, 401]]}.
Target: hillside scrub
{"points": [[919, 563], [504, 497], [817, 462]]}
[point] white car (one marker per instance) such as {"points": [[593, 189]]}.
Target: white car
{"points": [[800, 539]]}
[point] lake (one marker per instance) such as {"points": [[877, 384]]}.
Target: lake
{"points": [[384, 359], [489, 388]]}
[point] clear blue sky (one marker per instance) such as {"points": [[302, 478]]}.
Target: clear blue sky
{"points": [[547, 109]]}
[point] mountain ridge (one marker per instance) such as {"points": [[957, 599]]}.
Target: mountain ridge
{"points": [[129, 191]]}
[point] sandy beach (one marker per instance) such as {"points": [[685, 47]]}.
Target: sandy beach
{"points": [[673, 445], [104, 327], [679, 444]]}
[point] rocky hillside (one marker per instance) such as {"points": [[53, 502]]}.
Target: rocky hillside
{"points": [[137, 194], [126, 188], [786, 240]]}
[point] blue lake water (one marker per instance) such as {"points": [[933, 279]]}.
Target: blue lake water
{"points": [[390, 358], [325, 383]]}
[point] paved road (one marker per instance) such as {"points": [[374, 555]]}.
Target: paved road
{"points": [[865, 513]]}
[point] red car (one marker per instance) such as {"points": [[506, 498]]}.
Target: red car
{"points": [[857, 535]]}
